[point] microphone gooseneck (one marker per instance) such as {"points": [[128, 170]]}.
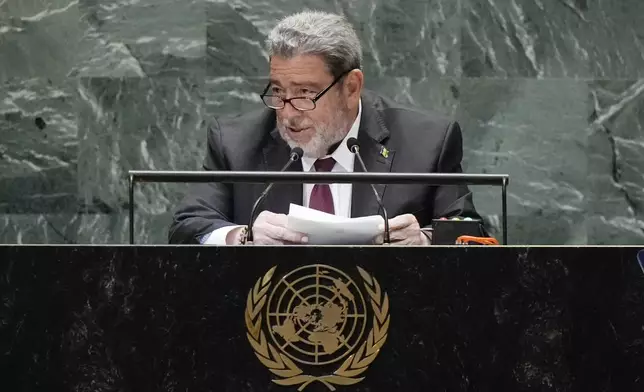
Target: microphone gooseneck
{"points": [[354, 147], [296, 155]]}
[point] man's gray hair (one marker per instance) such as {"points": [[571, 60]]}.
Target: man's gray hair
{"points": [[328, 35]]}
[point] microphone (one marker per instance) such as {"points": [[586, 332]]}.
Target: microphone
{"points": [[295, 156], [354, 147]]}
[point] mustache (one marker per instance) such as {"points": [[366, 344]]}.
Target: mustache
{"points": [[295, 122]]}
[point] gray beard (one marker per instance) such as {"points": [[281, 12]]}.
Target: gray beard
{"points": [[325, 136]]}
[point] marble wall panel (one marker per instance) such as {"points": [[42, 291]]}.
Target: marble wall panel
{"points": [[550, 92]]}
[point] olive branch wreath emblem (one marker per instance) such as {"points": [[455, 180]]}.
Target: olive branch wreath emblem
{"points": [[290, 374]]}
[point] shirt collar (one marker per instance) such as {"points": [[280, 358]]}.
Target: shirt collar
{"points": [[342, 155]]}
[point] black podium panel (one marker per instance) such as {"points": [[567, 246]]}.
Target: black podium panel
{"points": [[321, 318]]}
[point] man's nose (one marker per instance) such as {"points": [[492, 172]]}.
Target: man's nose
{"points": [[289, 110]]}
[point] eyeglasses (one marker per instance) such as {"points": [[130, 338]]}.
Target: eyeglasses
{"points": [[300, 103]]}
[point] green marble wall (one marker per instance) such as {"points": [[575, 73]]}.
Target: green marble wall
{"points": [[550, 92]]}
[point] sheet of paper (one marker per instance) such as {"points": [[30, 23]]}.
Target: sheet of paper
{"points": [[328, 229]]}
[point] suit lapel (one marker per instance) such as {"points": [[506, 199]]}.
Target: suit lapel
{"points": [[372, 137], [276, 153]]}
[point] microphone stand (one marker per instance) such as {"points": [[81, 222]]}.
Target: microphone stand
{"points": [[355, 148], [296, 154]]}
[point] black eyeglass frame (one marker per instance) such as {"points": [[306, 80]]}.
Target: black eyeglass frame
{"points": [[288, 100]]}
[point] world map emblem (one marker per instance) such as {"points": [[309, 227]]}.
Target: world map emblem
{"points": [[317, 324]]}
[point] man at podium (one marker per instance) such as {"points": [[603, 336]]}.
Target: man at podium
{"points": [[315, 101]]}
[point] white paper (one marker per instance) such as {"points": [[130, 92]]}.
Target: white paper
{"points": [[328, 229]]}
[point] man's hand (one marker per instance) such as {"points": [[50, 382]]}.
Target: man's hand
{"points": [[270, 229], [404, 230]]}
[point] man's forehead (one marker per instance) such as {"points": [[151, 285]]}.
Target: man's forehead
{"points": [[298, 71], [285, 80]]}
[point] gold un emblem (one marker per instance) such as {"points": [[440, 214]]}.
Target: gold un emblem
{"points": [[311, 325]]}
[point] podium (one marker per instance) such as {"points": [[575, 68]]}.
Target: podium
{"points": [[378, 318], [270, 177]]}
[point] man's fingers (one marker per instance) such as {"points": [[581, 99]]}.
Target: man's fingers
{"points": [[398, 228], [287, 235], [398, 234], [400, 222], [275, 219], [403, 230], [281, 233], [262, 235], [275, 235], [273, 227]]}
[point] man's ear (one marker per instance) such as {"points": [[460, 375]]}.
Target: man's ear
{"points": [[353, 84]]}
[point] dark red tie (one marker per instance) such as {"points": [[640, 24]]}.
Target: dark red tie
{"points": [[321, 197]]}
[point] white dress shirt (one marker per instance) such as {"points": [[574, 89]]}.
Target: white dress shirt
{"points": [[344, 160]]}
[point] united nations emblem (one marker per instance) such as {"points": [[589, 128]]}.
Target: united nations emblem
{"points": [[311, 326]]}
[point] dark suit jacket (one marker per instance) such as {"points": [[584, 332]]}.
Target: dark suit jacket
{"points": [[416, 141]]}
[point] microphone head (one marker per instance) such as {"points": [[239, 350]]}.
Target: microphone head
{"points": [[352, 144], [296, 153]]}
